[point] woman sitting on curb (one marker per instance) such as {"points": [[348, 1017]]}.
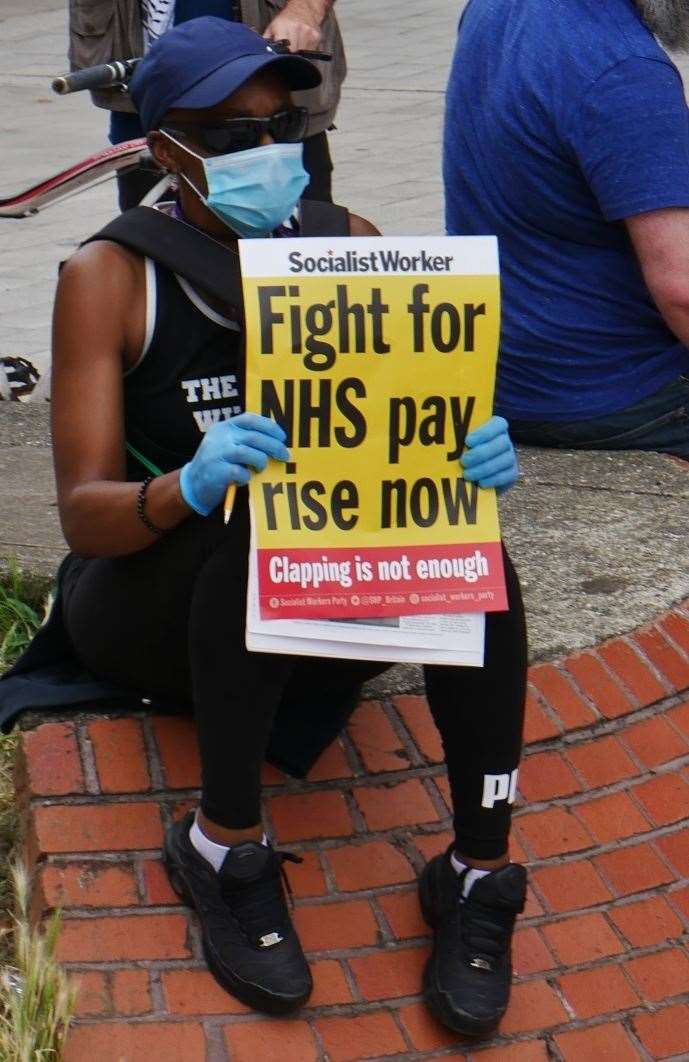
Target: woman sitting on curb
{"points": [[153, 595]]}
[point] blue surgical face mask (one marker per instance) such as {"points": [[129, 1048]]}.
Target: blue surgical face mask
{"points": [[253, 191]]}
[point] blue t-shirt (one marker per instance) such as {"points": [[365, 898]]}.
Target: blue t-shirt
{"points": [[564, 117]]}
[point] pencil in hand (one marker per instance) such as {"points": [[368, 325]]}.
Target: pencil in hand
{"points": [[229, 502]]}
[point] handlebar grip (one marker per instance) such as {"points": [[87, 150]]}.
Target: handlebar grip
{"points": [[323, 57], [283, 48], [94, 77]]}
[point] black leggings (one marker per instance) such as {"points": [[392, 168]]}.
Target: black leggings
{"points": [[168, 622]]}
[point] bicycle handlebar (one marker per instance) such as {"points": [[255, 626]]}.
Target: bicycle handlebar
{"points": [[284, 49], [94, 77], [110, 75]]}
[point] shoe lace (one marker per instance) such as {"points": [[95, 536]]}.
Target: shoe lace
{"points": [[259, 906], [288, 857]]}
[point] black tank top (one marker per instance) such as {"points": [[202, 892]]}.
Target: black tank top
{"points": [[189, 375]]}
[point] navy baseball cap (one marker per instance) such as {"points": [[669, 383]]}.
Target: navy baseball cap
{"points": [[203, 61]]}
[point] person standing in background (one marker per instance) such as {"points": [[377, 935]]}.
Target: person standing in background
{"points": [[103, 30]]}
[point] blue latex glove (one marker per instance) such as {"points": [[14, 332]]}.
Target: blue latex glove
{"points": [[223, 456], [490, 459]]}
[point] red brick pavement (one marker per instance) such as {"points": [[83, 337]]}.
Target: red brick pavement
{"points": [[602, 964]]}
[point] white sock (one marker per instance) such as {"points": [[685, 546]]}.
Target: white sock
{"points": [[210, 850], [473, 874]]}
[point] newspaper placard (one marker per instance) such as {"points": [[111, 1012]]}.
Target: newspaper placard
{"points": [[454, 639], [378, 356]]}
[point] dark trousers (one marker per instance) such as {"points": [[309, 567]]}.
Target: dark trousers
{"points": [[659, 422], [169, 621], [319, 166]]}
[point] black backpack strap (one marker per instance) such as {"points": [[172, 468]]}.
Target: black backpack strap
{"points": [[181, 249], [322, 219], [199, 258]]}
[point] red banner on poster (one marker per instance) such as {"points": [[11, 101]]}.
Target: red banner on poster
{"points": [[381, 581]]}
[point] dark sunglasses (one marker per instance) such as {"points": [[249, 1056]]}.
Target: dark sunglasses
{"points": [[242, 134]]}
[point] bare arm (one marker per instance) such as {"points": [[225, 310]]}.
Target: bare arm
{"points": [[299, 22], [661, 242], [94, 325]]}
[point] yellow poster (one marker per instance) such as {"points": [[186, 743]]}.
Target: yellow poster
{"points": [[377, 356]]}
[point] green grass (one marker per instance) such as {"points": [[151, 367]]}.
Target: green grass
{"points": [[21, 613], [9, 824], [36, 1000]]}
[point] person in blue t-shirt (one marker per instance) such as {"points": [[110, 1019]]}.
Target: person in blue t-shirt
{"points": [[567, 135]]}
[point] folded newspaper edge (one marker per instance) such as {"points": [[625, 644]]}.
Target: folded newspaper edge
{"points": [[416, 640]]}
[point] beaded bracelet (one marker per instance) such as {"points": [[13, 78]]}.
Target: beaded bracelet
{"points": [[140, 502]]}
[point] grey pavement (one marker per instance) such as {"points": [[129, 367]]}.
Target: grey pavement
{"points": [[386, 147], [599, 539]]}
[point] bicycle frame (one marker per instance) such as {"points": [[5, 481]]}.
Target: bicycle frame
{"points": [[85, 174]]}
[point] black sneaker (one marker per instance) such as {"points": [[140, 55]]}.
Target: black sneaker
{"points": [[249, 942], [468, 976]]}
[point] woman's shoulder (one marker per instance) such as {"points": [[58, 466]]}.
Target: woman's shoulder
{"points": [[102, 293], [103, 262], [359, 226]]}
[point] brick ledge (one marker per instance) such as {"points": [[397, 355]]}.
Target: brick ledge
{"points": [[601, 954]]}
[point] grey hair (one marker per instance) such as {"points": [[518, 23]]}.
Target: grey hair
{"points": [[669, 20]]}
